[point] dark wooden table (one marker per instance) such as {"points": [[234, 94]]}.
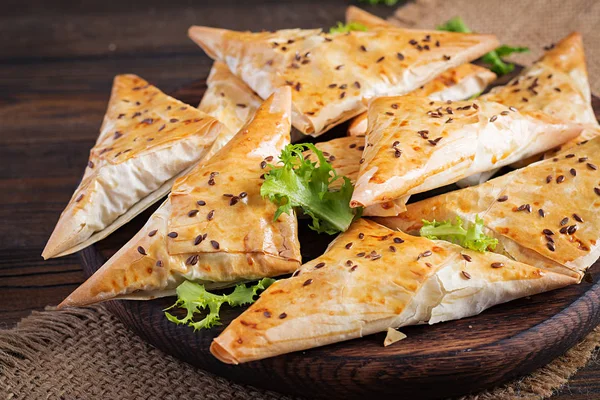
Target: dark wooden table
{"points": [[57, 61]]}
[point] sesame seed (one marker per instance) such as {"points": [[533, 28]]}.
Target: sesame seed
{"points": [[349, 263], [547, 232], [201, 202], [572, 229], [380, 59], [592, 166], [560, 179], [198, 240], [475, 106], [172, 235], [397, 153], [497, 265], [398, 240], [494, 117], [234, 200], [564, 229], [332, 85], [389, 113], [243, 194], [549, 238], [361, 235], [597, 191], [353, 145], [211, 181], [466, 275], [348, 245], [361, 254], [214, 244], [357, 85], [90, 164], [551, 246], [426, 253], [434, 142], [375, 257], [141, 250], [570, 155], [549, 179], [466, 257], [210, 215], [320, 265], [263, 164], [524, 207], [577, 218], [307, 282], [192, 260], [339, 67], [361, 148], [282, 315], [504, 113], [353, 268], [564, 221], [542, 213], [400, 56], [362, 160], [342, 95], [159, 263], [363, 48], [502, 198], [192, 213], [573, 171], [152, 233], [392, 249], [582, 159]]}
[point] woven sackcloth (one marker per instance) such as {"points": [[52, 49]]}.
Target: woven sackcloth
{"points": [[87, 353]]}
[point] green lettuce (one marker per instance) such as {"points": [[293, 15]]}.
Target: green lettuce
{"points": [[345, 28], [194, 298], [471, 238], [299, 182], [493, 58]]}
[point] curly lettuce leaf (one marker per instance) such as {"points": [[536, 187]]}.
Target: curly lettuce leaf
{"points": [[194, 298], [471, 238], [299, 182], [493, 58], [345, 28]]}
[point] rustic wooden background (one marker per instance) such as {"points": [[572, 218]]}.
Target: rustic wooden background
{"points": [[57, 61]]}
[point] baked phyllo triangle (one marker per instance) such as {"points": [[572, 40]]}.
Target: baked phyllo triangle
{"points": [[372, 278], [415, 144], [459, 83], [546, 214], [215, 228], [331, 73], [147, 139]]}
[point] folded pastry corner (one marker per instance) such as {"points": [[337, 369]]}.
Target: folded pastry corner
{"points": [[415, 144], [545, 214], [331, 73], [372, 278], [146, 140], [215, 228]]}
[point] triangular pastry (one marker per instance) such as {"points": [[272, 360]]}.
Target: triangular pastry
{"points": [[147, 139], [331, 73], [215, 227], [372, 278], [557, 85], [229, 100], [460, 83], [546, 214], [415, 144]]}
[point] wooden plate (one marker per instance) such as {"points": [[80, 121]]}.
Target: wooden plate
{"points": [[438, 361]]}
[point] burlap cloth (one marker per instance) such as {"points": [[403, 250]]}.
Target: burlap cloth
{"points": [[88, 353]]}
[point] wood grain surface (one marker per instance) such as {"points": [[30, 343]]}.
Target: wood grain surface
{"points": [[57, 61]]}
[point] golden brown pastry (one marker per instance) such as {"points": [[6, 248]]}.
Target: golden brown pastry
{"points": [[557, 85], [415, 144], [460, 83], [229, 100], [147, 139], [214, 228], [545, 214], [331, 73], [370, 279]]}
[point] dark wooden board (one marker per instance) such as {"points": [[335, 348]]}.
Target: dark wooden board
{"points": [[438, 361]]}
